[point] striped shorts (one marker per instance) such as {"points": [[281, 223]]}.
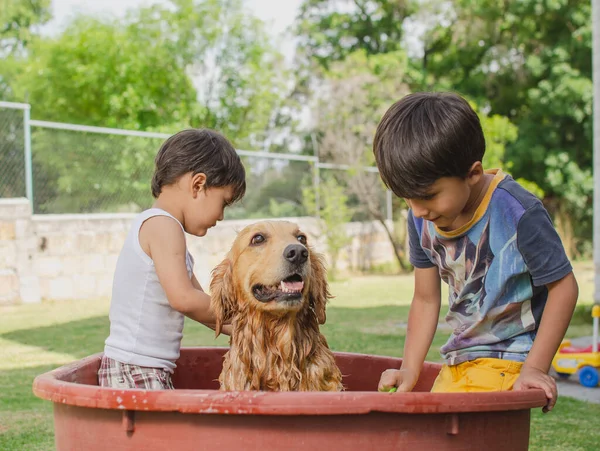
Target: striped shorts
{"points": [[115, 374]]}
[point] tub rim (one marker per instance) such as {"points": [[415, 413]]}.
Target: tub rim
{"points": [[51, 386]]}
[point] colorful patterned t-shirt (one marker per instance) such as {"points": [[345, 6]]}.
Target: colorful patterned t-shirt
{"points": [[496, 267]]}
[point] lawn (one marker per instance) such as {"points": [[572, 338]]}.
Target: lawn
{"points": [[367, 315]]}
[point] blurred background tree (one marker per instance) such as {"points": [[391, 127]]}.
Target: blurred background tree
{"points": [[163, 68], [526, 65]]}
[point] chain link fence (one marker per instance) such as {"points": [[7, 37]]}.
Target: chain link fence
{"points": [[12, 150], [275, 187], [83, 169]]}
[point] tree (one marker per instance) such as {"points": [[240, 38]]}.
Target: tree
{"points": [[356, 94], [531, 62], [244, 92], [136, 73], [330, 30], [18, 20], [139, 74], [103, 73], [574, 209], [528, 61], [106, 74]]}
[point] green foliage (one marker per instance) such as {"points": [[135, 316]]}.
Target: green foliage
{"points": [[499, 132], [283, 209], [354, 95], [108, 74], [526, 64], [531, 62], [138, 73], [574, 208], [17, 20], [334, 214], [245, 95], [330, 34], [576, 184]]}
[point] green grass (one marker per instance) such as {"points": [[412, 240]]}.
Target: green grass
{"points": [[367, 315]]}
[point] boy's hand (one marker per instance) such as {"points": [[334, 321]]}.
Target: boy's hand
{"points": [[536, 378], [404, 379]]}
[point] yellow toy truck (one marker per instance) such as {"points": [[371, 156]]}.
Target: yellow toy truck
{"points": [[583, 361]]}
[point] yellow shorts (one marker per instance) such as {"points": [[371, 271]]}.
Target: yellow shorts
{"points": [[477, 376]]}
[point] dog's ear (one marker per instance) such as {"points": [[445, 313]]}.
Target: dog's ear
{"points": [[222, 299], [318, 293]]}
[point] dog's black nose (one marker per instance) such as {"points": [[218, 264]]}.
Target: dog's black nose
{"points": [[296, 253]]}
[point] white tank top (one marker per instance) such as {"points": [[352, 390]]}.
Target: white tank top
{"points": [[144, 329]]}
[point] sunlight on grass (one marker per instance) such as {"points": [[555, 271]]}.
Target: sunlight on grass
{"points": [[374, 291], [17, 355], [371, 291], [47, 313]]}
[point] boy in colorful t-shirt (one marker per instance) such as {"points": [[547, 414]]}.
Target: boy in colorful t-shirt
{"points": [[511, 286]]}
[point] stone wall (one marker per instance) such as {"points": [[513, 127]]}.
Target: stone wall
{"points": [[18, 281], [74, 256]]}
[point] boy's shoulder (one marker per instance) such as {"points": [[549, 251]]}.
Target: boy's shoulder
{"points": [[157, 215], [511, 200], [512, 194], [157, 225]]}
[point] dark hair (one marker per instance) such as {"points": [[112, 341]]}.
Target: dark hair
{"points": [[199, 150], [426, 136]]}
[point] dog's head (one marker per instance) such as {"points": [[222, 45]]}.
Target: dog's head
{"points": [[270, 268]]}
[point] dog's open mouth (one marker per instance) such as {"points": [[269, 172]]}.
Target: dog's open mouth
{"points": [[288, 289]]}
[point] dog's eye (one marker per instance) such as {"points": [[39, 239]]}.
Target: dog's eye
{"points": [[257, 239], [302, 239]]}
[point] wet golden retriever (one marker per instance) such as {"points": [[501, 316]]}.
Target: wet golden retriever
{"points": [[271, 288]]}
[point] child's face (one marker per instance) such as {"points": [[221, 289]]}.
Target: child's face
{"points": [[206, 209], [447, 199]]}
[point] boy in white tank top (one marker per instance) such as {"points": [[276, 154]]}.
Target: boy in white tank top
{"points": [[197, 174]]}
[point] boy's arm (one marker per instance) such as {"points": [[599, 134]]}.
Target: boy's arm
{"points": [[225, 328], [422, 318], [549, 266], [422, 324], [166, 245], [562, 297]]}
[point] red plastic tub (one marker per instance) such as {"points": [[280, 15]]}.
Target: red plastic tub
{"points": [[196, 416]]}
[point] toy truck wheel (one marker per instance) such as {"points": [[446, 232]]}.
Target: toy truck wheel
{"points": [[588, 376], [563, 375]]}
